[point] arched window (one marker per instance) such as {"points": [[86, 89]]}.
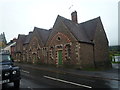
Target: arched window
{"points": [[68, 50], [38, 53], [51, 52], [44, 51]]}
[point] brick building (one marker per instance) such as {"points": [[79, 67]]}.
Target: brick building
{"points": [[79, 45]]}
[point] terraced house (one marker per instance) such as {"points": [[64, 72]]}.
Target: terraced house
{"points": [[79, 45]]}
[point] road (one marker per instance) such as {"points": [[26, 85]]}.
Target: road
{"points": [[33, 78]]}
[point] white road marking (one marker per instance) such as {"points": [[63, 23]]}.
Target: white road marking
{"points": [[67, 82], [30, 88], [25, 71]]}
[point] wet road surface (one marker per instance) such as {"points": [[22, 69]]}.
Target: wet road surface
{"points": [[32, 79]]}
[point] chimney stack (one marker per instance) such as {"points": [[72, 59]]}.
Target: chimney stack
{"points": [[74, 17]]}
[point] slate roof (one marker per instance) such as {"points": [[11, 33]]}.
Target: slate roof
{"points": [[28, 37], [43, 34], [21, 38], [83, 32], [90, 27]]}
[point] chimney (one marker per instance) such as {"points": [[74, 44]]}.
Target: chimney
{"points": [[30, 32], [14, 40], [74, 17]]}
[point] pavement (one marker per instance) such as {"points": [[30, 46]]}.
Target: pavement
{"points": [[111, 74]]}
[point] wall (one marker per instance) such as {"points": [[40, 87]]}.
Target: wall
{"points": [[35, 54], [86, 55], [101, 47], [59, 39]]}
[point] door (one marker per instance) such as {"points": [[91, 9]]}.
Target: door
{"points": [[60, 57]]}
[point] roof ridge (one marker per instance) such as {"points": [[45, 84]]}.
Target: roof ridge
{"points": [[66, 18], [40, 28], [90, 20]]}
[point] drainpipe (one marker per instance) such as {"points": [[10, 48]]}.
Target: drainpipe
{"points": [[94, 55]]}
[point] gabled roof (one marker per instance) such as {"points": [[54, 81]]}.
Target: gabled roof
{"points": [[42, 34], [21, 38], [28, 37], [83, 32], [76, 29], [90, 27]]}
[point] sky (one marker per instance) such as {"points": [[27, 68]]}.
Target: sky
{"points": [[21, 16], [118, 23]]}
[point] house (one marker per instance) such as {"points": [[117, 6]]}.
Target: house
{"points": [[69, 43], [26, 56], [12, 47], [9, 45], [37, 47], [19, 47]]}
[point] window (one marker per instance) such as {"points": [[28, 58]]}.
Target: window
{"points": [[44, 51], [58, 38], [5, 57], [68, 50], [52, 52]]}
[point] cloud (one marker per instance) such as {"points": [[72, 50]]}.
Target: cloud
{"points": [[20, 16]]}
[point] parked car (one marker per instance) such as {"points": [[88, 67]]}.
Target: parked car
{"points": [[9, 73]]}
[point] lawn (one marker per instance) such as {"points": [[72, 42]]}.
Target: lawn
{"points": [[116, 62]]}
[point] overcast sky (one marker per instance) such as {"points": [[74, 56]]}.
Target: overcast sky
{"points": [[20, 16]]}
